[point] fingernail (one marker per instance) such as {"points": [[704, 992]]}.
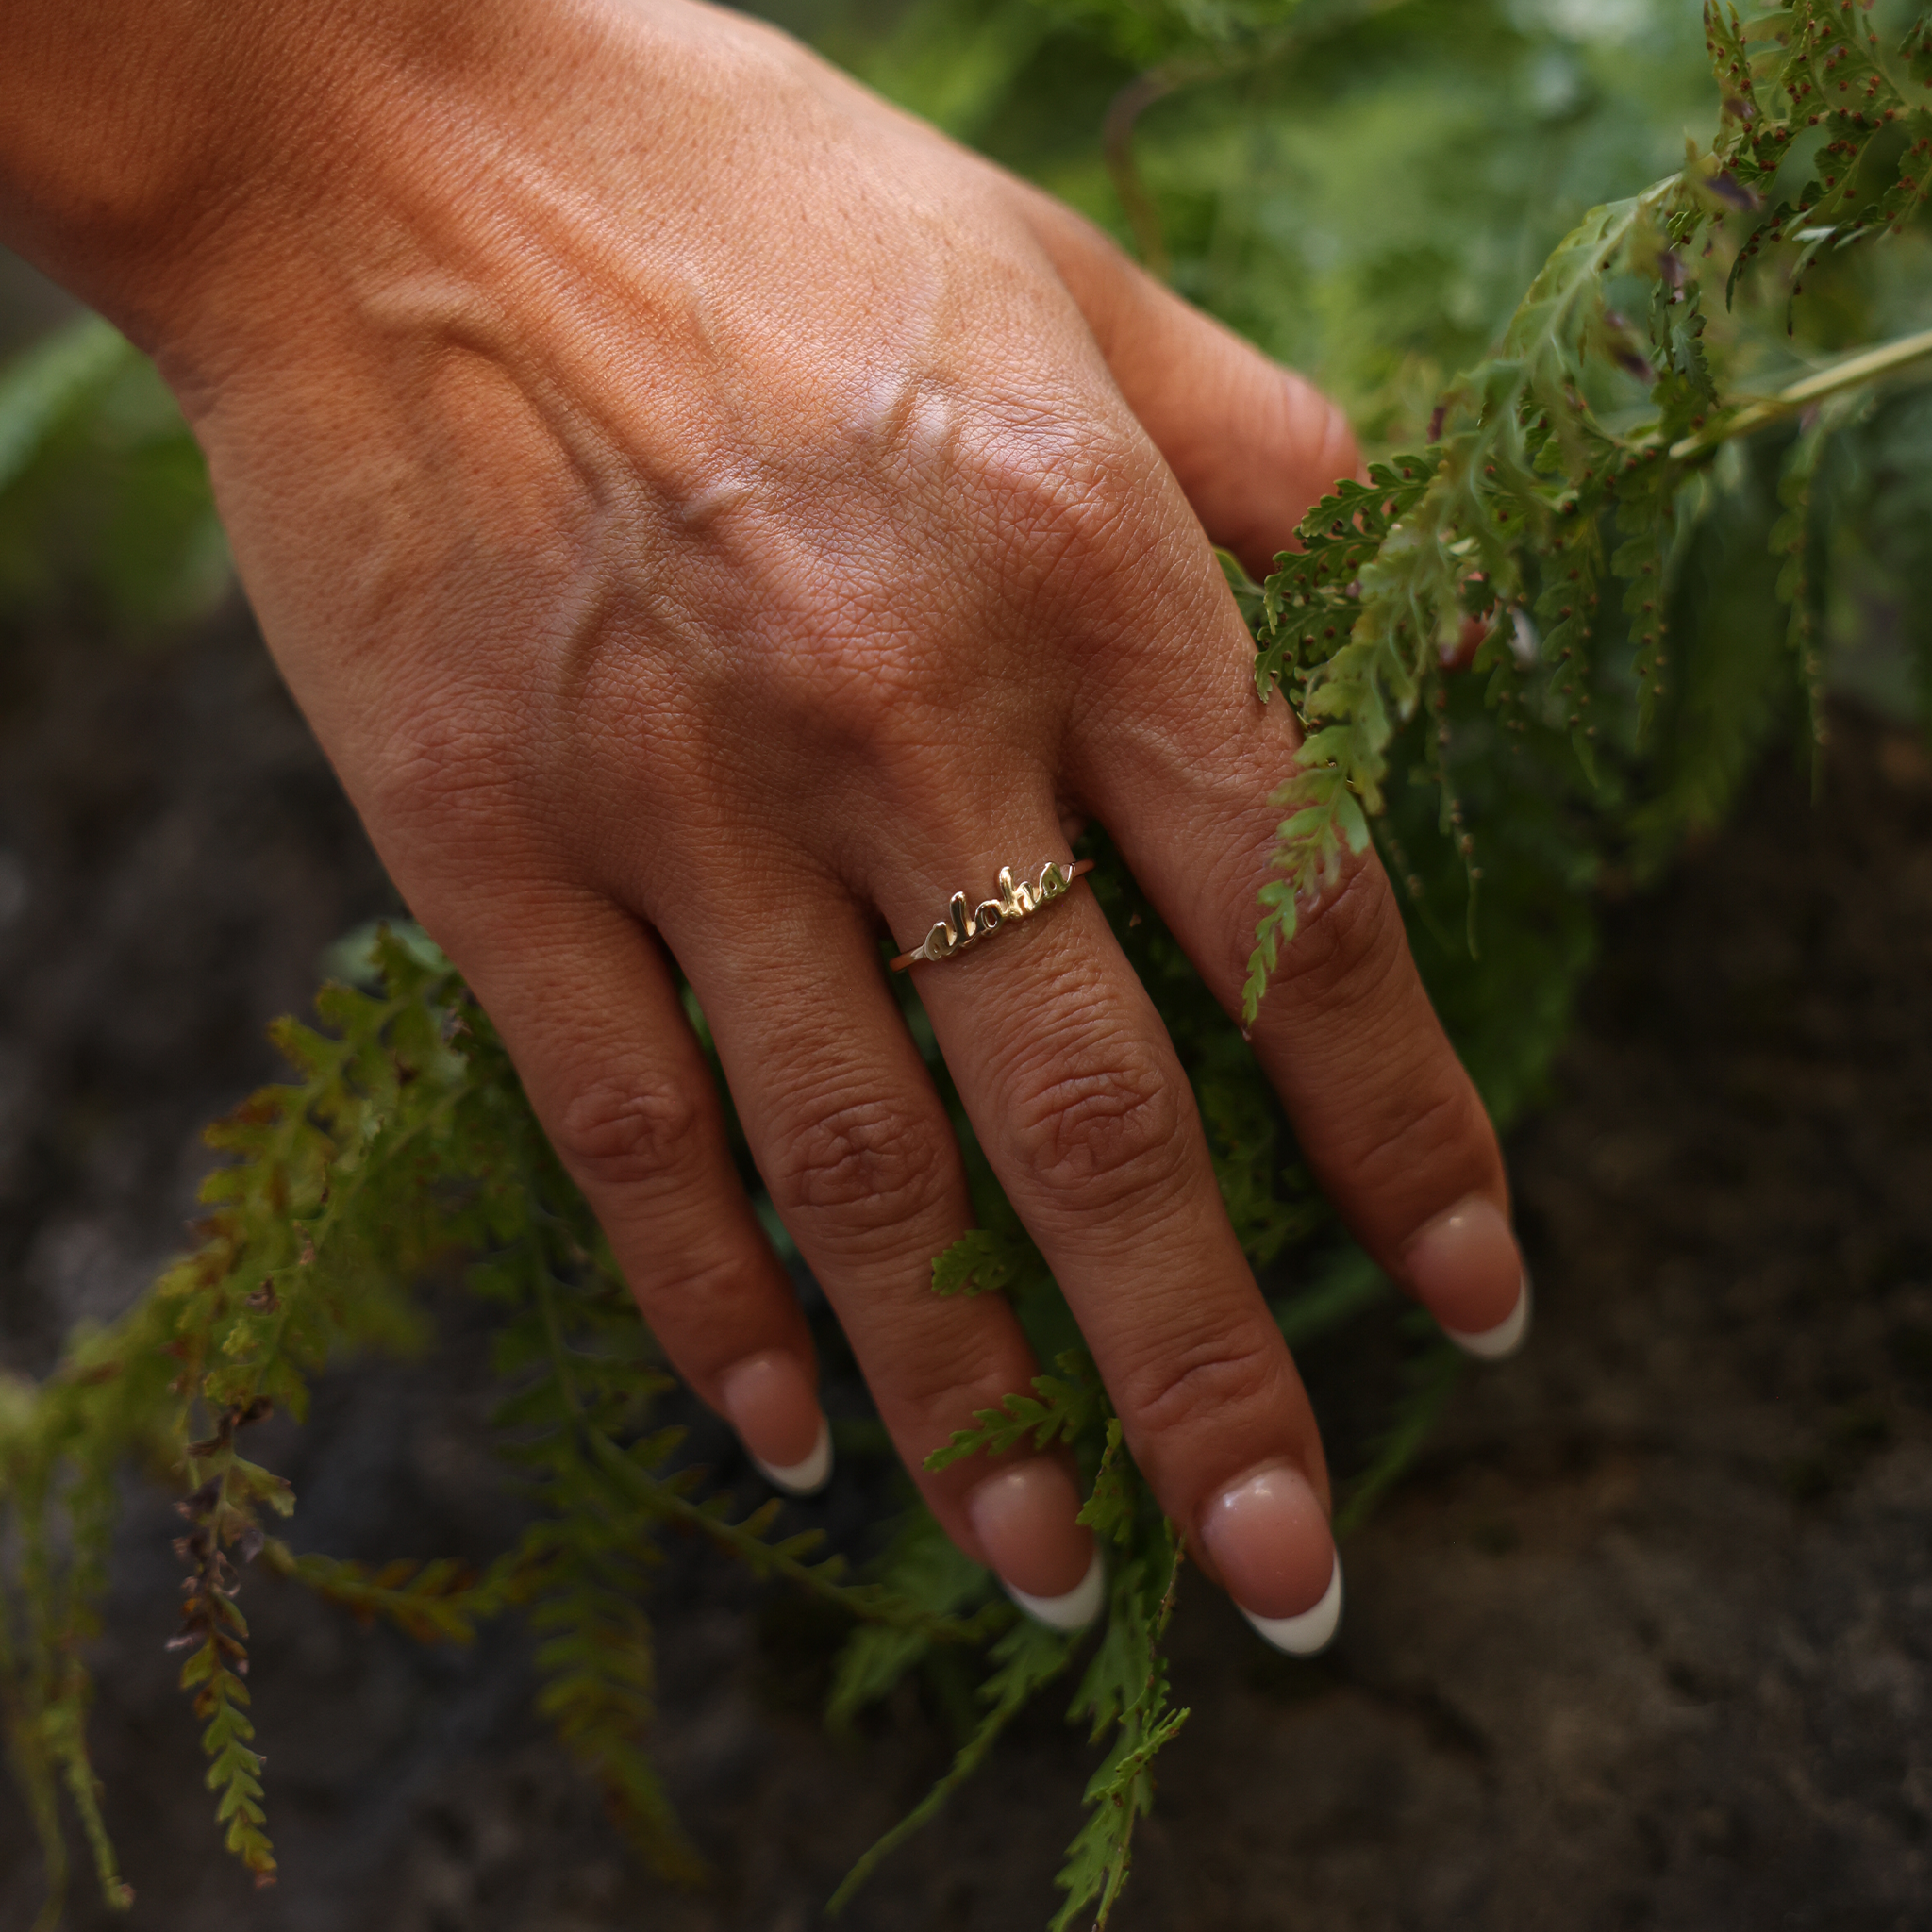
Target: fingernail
{"points": [[808, 1476], [1073, 1610], [1025, 1518], [1506, 1338], [1313, 1630], [1269, 1537], [770, 1402], [1467, 1270]]}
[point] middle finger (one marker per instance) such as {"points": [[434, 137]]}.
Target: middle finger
{"points": [[852, 1141], [1083, 1109]]}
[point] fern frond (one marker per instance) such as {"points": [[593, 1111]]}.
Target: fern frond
{"points": [[440, 1602], [1112, 1507], [599, 1677], [1059, 1408], [925, 1570], [1532, 452], [1125, 1688], [986, 1263]]}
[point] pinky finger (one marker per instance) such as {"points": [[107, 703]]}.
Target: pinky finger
{"points": [[592, 1015]]}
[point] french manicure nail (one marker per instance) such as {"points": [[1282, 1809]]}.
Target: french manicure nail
{"points": [[1506, 1338], [1024, 1517], [1075, 1609], [805, 1478], [1269, 1537], [1467, 1270], [1313, 1630], [769, 1399]]}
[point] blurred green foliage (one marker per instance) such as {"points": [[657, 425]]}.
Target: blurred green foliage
{"points": [[104, 506]]}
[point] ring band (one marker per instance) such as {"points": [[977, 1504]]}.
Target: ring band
{"points": [[1017, 900]]}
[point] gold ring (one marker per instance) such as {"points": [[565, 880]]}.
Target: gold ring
{"points": [[1017, 900]]}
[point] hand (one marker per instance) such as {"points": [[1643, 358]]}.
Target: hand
{"points": [[706, 516]]}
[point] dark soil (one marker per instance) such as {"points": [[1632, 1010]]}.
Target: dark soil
{"points": [[1645, 1640]]}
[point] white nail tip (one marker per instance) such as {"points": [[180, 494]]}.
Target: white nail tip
{"points": [[805, 1478], [1504, 1339], [1313, 1630], [1076, 1608]]}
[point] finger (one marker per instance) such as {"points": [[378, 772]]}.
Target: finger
{"points": [[1251, 443], [1389, 1121], [589, 1010], [852, 1141], [1081, 1106]]}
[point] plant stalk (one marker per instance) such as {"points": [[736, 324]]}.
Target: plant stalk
{"points": [[1869, 365], [1144, 90]]}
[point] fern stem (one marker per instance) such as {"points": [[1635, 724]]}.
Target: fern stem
{"points": [[83, 1790], [33, 1774], [1869, 365], [1117, 143], [864, 1601], [968, 1759], [662, 1499], [1033, 1657]]}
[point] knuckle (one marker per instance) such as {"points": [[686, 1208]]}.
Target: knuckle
{"points": [[1202, 1380], [934, 1391], [865, 1167], [888, 707], [1070, 496], [1101, 1134], [653, 1133], [861, 683], [702, 1294], [444, 772], [1413, 1140]]}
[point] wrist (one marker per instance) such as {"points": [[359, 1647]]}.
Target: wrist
{"points": [[149, 153]]}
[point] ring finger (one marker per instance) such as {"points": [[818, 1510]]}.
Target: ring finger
{"points": [[852, 1141]]}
